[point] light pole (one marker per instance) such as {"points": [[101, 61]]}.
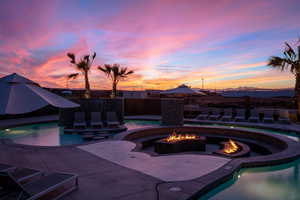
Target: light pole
{"points": [[202, 83]]}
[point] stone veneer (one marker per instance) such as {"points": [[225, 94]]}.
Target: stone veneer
{"points": [[172, 112]]}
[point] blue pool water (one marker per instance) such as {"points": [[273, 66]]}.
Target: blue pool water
{"points": [[50, 134], [279, 182], [265, 183]]}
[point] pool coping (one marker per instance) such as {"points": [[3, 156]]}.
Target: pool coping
{"points": [[212, 180], [225, 173], [9, 123]]}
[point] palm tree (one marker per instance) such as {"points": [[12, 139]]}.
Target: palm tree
{"points": [[83, 65], [290, 61], [116, 73]]}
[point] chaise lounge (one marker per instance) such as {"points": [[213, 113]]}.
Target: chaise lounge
{"points": [[203, 115], [269, 116], [52, 186], [96, 119], [215, 114], [254, 116], [240, 115], [112, 120], [227, 116], [283, 116], [79, 120]]}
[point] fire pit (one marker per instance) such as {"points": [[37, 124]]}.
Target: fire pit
{"points": [[234, 149], [176, 143]]}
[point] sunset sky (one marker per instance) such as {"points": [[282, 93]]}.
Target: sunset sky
{"points": [[166, 42]]}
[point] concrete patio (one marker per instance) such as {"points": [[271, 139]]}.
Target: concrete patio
{"points": [[98, 178], [104, 176], [167, 168]]}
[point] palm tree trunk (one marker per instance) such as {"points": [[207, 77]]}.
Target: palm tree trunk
{"points": [[297, 92], [114, 89], [87, 85]]}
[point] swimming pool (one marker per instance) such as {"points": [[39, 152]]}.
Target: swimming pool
{"points": [[50, 134], [264, 183], [279, 182]]}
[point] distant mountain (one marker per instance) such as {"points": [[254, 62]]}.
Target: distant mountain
{"points": [[254, 89], [260, 93]]}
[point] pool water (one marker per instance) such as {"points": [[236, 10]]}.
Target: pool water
{"points": [[265, 183], [279, 182], [50, 134]]}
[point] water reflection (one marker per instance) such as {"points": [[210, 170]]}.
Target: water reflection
{"points": [[265, 183], [50, 134]]}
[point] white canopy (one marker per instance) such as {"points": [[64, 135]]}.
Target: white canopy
{"points": [[184, 90], [20, 95]]}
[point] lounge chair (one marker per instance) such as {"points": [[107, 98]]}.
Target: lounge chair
{"points": [[240, 115], [57, 185], [203, 115], [215, 114], [268, 116], [254, 116], [79, 120], [112, 120], [96, 119], [21, 175], [4, 167], [283, 116], [227, 116]]}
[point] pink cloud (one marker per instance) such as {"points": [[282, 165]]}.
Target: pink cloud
{"points": [[142, 35]]}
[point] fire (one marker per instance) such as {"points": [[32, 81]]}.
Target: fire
{"points": [[230, 147], [174, 137]]}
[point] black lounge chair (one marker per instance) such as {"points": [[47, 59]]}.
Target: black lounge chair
{"points": [[4, 167], [227, 116], [283, 116], [24, 175], [96, 119], [215, 114], [79, 120], [240, 115], [204, 114], [21, 175], [55, 185], [269, 116], [254, 116], [112, 120]]}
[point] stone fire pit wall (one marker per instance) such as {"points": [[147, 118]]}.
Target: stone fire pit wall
{"points": [[172, 112], [163, 147]]}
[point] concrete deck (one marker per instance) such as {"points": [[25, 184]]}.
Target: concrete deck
{"points": [[107, 179], [166, 168], [98, 178]]}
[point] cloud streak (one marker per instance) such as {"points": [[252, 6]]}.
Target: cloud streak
{"points": [[167, 42]]}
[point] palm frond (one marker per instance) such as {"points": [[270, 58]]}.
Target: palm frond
{"points": [[87, 58], [289, 51], [106, 69], [81, 65], [73, 76], [130, 72], [277, 62], [298, 53], [72, 57]]}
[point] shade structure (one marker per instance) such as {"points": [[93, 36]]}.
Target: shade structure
{"points": [[183, 90], [20, 95]]}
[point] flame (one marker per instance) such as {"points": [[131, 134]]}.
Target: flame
{"points": [[174, 137], [230, 147]]}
